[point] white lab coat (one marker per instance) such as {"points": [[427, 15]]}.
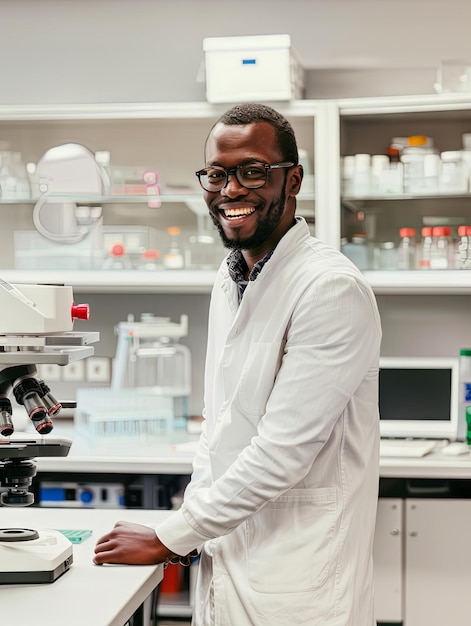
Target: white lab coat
{"points": [[284, 490]]}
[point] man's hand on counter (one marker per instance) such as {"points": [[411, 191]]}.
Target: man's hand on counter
{"points": [[132, 544]]}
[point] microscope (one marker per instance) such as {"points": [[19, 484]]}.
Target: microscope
{"points": [[36, 327]]}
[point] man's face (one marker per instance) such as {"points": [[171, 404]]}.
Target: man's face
{"points": [[250, 219]]}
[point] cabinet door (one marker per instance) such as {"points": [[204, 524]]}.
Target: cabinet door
{"points": [[388, 560], [438, 563]]}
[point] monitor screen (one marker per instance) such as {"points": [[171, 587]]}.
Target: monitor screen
{"points": [[418, 397]]}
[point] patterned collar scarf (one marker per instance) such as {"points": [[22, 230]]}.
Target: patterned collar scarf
{"points": [[237, 267]]}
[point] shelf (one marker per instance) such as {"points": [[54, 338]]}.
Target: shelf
{"points": [[406, 196], [421, 104], [445, 282], [451, 282], [120, 281], [137, 110], [86, 199]]}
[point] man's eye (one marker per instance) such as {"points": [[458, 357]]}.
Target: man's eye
{"points": [[253, 172], [215, 175]]}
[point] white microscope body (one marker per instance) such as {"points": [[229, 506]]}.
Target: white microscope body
{"points": [[36, 323]]}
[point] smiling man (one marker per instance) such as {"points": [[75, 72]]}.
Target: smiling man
{"points": [[282, 500]]}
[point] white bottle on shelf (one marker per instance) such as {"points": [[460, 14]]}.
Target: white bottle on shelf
{"points": [[361, 181], [463, 249], [441, 250], [425, 250], [357, 250], [406, 251], [420, 174], [149, 260], [453, 173], [174, 258]]}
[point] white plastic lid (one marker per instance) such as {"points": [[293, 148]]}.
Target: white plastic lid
{"points": [[362, 162], [451, 155], [379, 162]]}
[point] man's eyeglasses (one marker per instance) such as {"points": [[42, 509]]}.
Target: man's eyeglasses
{"points": [[249, 175]]}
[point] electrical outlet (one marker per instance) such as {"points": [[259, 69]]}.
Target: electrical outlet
{"points": [[98, 369], [74, 372], [49, 372]]}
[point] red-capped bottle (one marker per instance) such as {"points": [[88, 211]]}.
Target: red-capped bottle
{"points": [[406, 251]]}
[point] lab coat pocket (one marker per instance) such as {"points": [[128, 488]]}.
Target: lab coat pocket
{"points": [[290, 542], [258, 376]]}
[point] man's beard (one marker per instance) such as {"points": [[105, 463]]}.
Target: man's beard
{"points": [[264, 229]]}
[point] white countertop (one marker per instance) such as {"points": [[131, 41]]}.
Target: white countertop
{"points": [[174, 455], [86, 594]]}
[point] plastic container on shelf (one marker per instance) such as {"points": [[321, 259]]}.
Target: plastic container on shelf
{"points": [[420, 173], [463, 248], [174, 258], [392, 180], [361, 181], [441, 252], [357, 250], [425, 248], [203, 252], [379, 166], [117, 258], [453, 173], [348, 172], [14, 180], [387, 256], [149, 260], [406, 250]]}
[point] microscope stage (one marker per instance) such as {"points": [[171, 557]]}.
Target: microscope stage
{"points": [[33, 561]]}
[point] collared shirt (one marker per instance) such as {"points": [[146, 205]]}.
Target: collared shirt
{"points": [[237, 267]]}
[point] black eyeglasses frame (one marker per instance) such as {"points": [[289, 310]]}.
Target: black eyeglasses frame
{"points": [[234, 171]]}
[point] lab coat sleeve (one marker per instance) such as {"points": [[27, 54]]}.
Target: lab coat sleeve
{"points": [[332, 342]]}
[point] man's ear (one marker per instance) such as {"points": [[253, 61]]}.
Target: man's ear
{"points": [[295, 178]]}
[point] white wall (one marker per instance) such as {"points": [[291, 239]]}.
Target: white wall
{"points": [[151, 50]]}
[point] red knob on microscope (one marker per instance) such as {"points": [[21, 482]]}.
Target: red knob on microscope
{"points": [[80, 312]]}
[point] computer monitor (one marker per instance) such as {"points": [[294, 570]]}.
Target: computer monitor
{"points": [[418, 397]]}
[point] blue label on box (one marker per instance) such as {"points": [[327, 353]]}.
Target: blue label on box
{"points": [[467, 392]]}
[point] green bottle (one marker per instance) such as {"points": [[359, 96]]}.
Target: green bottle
{"points": [[468, 422]]}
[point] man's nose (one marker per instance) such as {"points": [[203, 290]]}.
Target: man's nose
{"points": [[233, 188]]}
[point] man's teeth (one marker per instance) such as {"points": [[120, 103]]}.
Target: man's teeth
{"points": [[240, 212]]}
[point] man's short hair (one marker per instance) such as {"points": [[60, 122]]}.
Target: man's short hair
{"points": [[250, 113]]}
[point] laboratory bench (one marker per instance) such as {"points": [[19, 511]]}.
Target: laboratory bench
{"points": [[106, 595], [423, 519]]}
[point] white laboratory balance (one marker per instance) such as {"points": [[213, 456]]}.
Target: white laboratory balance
{"points": [[36, 324]]}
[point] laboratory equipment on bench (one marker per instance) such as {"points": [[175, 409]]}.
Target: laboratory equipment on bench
{"points": [[150, 358], [150, 385], [36, 327]]}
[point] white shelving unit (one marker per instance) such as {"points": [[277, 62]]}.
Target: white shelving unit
{"points": [[167, 137], [366, 126]]}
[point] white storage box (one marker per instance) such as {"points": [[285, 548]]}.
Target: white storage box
{"points": [[254, 68]]}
